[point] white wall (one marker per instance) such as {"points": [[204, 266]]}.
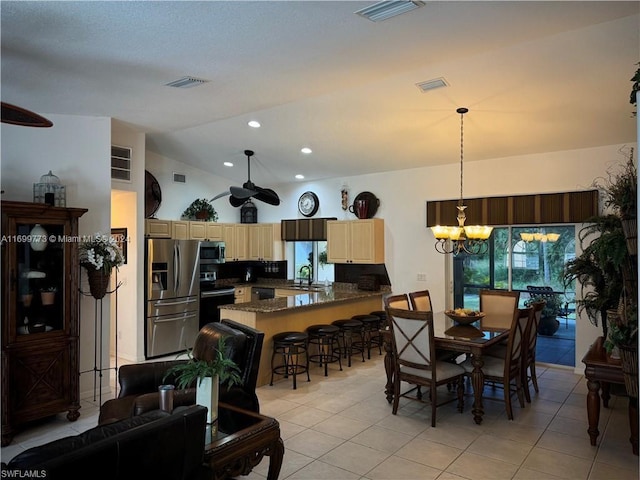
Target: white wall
{"points": [[76, 149], [127, 211]]}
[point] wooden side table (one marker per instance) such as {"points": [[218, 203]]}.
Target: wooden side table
{"points": [[240, 440], [600, 371]]}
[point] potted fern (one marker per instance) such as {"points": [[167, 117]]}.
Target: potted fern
{"points": [[200, 209], [206, 375]]}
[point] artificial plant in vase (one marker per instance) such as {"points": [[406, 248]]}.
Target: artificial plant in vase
{"points": [[207, 376], [99, 254], [200, 209]]}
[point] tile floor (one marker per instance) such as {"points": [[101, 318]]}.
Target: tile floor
{"points": [[341, 427]]}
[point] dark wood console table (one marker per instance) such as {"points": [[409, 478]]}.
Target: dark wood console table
{"points": [[600, 371]]}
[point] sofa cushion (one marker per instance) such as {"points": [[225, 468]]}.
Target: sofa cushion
{"points": [[154, 445]]}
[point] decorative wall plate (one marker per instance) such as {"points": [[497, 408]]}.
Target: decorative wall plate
{"points": [[372, 202], [308, 204]]}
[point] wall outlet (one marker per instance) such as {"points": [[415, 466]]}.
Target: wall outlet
{"points": [[422, 277]]}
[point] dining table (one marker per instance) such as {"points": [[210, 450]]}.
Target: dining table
{"points": [[472, 339]]}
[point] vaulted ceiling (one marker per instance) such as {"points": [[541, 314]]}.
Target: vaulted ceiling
{"points": [[536, 76]]}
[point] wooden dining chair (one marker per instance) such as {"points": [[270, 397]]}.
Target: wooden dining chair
{"points": [[507, 372], [499, 307], [529, 355], [421, 300], [415, 360], [400, 301]]}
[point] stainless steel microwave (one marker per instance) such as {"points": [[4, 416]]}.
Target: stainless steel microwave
{"points": [[212, 252]]}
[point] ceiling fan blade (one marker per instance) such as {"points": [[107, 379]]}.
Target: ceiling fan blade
{"points": [[220, 195], [235, 201], [267, 195], [242, 192]]}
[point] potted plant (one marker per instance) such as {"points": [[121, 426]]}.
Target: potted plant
{"points": [[206, 375], [48, 295], [200, 209], [548, 324], [99, 254]]}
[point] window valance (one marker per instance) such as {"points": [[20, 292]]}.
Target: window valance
{"points": [[567, 207]]}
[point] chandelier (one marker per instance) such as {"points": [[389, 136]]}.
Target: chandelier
{"points": [[539, 237], [470, 239]]}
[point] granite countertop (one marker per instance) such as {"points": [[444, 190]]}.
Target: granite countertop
{"points": [[302, 300]]}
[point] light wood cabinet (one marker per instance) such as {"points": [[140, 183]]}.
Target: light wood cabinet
{"points": [[242, 294], [355, 241], [265, 242], [40, 364], [155, 228], [180, 229], [209, 231], [235, 236]]}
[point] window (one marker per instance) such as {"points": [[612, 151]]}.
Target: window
{"points": [[315, 254], [517, 257]]}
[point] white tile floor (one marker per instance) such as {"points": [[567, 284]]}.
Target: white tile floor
{"points": [[341, 427]]}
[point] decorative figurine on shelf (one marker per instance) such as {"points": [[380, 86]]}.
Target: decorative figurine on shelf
{"points": [[99, 254], [345, 197]]}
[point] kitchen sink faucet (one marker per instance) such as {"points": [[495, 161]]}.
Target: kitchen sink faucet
{"points": [[309, 269]]}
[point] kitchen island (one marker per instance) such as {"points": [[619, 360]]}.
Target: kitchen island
{"points": [[296, 313]]}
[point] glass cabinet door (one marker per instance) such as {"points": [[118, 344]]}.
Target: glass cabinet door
{"points": [[39, 251]]}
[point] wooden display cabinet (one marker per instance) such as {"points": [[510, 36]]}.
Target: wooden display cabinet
{"points": [[40, 334]]}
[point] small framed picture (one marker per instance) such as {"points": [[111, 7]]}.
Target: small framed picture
{"points": [[120, 235]]}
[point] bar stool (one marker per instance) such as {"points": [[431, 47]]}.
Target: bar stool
{"points": [[348, 328], [382, 315], [325, 337], [371, 332], [290, 345]]}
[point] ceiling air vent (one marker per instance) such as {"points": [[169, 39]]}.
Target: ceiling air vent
{"points": [[432, 84], [179, 178], [120, 163], [383, 10], [186, 82]]}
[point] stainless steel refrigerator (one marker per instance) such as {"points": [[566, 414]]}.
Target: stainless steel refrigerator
{"points": [[172, 290]]}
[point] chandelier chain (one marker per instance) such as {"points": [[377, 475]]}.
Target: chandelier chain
{"points": [[461, 154]]}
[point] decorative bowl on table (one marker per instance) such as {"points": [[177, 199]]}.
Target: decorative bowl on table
{"points": [[464, 316]]}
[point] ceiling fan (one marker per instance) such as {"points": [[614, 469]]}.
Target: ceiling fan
{"points": [[248, 190]]}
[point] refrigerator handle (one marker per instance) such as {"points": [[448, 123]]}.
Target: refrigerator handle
{"points": [[179, 269], [175, 267]]}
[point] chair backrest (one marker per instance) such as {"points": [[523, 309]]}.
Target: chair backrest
{"points": [[499, 307], [412, 338], [532, 334], [421, 300], [400, 301], [517, 344]]}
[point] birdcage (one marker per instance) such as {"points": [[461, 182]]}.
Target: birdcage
{"points": [[50, 191]]}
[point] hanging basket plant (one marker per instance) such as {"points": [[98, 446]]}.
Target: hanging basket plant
{"points": [[200, 209]]}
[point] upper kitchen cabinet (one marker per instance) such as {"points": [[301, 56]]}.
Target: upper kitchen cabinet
{"points": [[265, 242], [40, 324], [209, 231], [155, 228], [235, 236], [355, 241]]}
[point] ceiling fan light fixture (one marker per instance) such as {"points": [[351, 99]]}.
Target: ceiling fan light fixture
{"points": [[239, 195], [386, 9]]}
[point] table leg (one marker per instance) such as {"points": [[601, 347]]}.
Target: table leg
{"points": [[275, 460], [606, 388], [477, 380], [593, 409], [389, 366]]}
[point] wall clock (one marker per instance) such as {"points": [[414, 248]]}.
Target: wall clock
{"points": [[308, 204]]}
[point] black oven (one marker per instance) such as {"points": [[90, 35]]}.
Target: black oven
{"points": [[211, 252], [212, 296]]}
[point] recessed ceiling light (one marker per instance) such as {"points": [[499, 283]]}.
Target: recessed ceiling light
{"points": [[299, 176], [254, 124], [306, 150], [228, 164]]}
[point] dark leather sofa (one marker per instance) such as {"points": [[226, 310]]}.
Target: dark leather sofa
{"points": [[139, 382], [156, 445]]}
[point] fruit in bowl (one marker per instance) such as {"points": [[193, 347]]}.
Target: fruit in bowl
{"points": [[464, 316]]}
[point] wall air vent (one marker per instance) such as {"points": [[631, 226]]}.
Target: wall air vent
{"points": [[121, 163], [432, 84], [383, 10], [179, 178], [186, 82]]}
